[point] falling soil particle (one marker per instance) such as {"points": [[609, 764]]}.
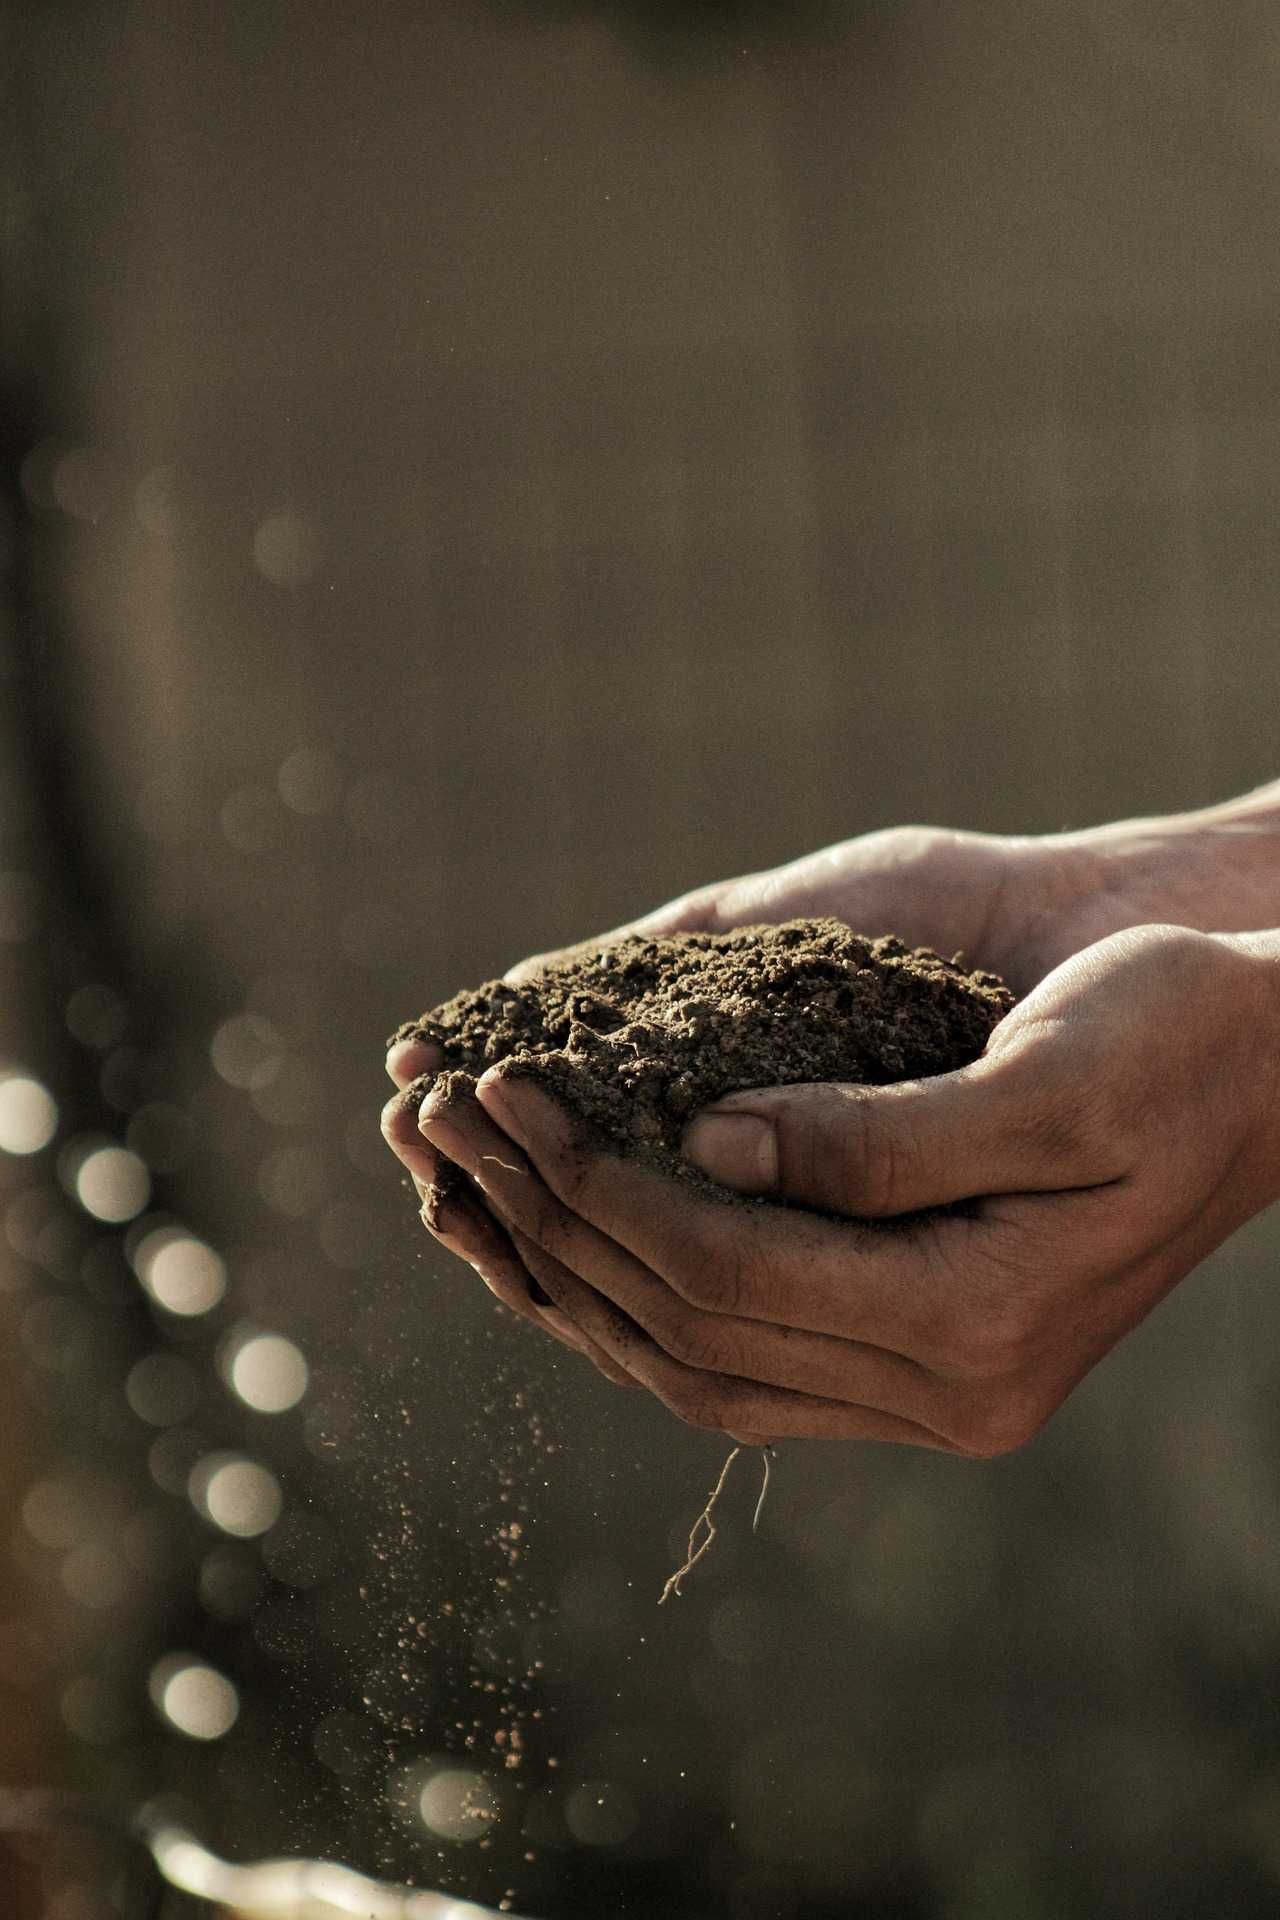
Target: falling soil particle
{"points": [[635, 1036]]}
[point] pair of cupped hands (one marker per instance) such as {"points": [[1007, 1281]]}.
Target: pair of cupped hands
{"points": [[1120, 1124]]}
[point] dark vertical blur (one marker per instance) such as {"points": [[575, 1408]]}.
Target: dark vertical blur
{"points": [[472, 472]]}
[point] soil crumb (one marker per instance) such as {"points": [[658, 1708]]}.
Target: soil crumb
{"points": [[637, 1035]]}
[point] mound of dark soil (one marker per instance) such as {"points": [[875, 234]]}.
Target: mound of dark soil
{"points": [[636, 1036]]}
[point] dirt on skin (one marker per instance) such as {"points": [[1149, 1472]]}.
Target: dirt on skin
{"points": [[636, 1036]]}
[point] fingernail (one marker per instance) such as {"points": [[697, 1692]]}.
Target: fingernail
{"points": [[492, 1097], [737, 1149]]}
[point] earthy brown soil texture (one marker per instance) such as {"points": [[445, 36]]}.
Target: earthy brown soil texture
{"points": [[636, 1036]]}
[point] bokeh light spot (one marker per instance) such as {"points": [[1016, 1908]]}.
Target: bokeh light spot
{"points": [[457, 1804], [238, 1495], [83, 484], [195, 1698], [181, 1273], [269, 1373], [600, 1814], [309, 780], [53, 1513], [94, 1577], [291, 1181], [246, 1051], [286, 549], [28, 1114], [113, 1184], [162, 1389], [97, 1017]]}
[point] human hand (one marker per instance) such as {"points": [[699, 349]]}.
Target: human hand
{"points": [[1119, 1126], [950, 890], [1018, 904]]}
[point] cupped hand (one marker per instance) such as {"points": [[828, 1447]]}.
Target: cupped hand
{"points": [[1119, 1126], [1016, 904]]}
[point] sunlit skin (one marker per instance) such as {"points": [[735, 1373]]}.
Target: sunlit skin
{"points": [[1122, 1122]]}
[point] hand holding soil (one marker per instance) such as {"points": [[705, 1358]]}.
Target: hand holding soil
{"points": [[1120, 1124]]}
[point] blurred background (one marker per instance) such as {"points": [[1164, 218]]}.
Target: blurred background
{"points": [[471, 472]]}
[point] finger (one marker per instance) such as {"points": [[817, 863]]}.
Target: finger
{"points": [[888, 1288], [469, 1139], [461, 1223], [460, 1130], [545, 1312], [553, 1318], [996, 1127], [400, 1130], [465, 1229], [725, 1405], [511, 1283], [408, 1060], [427, 1168], [562, 1285], [811, 1363], [551, 1276]]}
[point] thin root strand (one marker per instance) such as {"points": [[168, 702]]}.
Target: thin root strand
{"points": [[696, 1547]]}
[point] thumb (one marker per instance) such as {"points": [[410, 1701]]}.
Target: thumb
{"points": [[869, 1152]]}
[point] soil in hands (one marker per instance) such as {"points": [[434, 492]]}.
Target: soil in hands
{"points": [[636, 1036]]}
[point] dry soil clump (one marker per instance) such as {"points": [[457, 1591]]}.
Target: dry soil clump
{"points": [[636, 1036]]}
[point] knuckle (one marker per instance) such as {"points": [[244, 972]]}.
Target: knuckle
{"points": [[713, 1277], [694, 1344], [992, 1331], [993, 1345], [1002, 1424], [853, 1149], [694, 1402]]}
